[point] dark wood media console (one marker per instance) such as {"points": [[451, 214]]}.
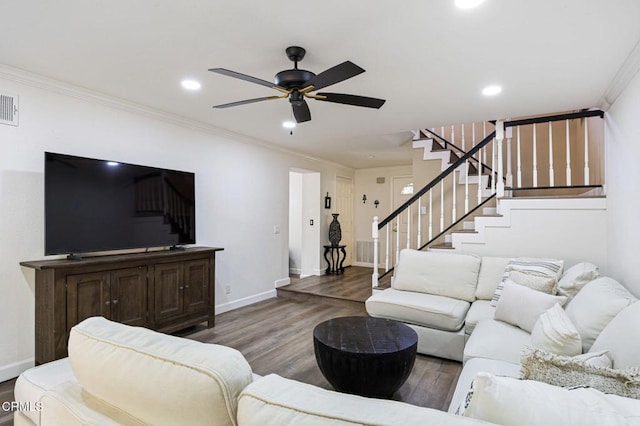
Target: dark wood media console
{"points": [[161, 290]]}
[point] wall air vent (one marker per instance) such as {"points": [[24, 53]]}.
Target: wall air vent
{"points": [[8, 109]]}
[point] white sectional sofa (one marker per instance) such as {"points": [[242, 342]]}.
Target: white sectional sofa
{"points": [[116, 374], [434, 293]]}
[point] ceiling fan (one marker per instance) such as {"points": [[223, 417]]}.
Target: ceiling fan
{"points": [[297, 84]]}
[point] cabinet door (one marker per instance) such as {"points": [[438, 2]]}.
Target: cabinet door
{"points": [[129, 296], [196, 288], [88, 295], [169, 290]]}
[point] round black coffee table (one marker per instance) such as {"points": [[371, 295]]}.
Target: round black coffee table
{"points": [[365, 356]]}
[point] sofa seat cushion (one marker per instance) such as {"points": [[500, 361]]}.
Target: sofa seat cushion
{"points": [[157, 378], [496, 340], [479, 310], [442, 313], [471, 369], [35, 382], [276, 401], [441, 274]]}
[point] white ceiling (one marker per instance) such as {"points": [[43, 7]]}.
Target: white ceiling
{"points": [[426, 58]]}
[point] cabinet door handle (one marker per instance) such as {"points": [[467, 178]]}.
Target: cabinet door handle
{"points": [[115, 301], [181, 287], [107, 302], [186, 286]]}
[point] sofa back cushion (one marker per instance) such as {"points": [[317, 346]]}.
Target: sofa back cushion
{"points": [[157, 378], [595, 306], [441, 274], [620, 338], [491, 272]]}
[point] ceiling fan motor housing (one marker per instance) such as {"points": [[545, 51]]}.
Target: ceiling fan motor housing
{"points": [[293, 78]]}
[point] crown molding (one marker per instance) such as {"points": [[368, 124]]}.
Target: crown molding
{"points": [[623, 77], [66, 89]]}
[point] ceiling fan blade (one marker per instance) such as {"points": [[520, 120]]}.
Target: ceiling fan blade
{"points": [[248, 78], [301, 111], [248, 101], [333, 75], [341, 98]]}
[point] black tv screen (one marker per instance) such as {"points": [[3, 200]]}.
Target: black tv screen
{"points": [[98, 205]]}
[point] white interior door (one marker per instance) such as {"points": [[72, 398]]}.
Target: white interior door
{"points": [[344, 207]]}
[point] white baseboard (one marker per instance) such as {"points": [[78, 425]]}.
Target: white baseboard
{"points": [[295, 271], [11, 371], [246, 301], [283, 282], [364, 264]]}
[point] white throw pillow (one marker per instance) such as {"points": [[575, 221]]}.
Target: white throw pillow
{"points": [[510, 401], [549, 267], [595, 306], [522, 306], [577, 277], [555, 333], [620, 338], [601, 359], [491, 273], [535, 280]]}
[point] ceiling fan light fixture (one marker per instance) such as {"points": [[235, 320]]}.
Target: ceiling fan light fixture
{"points": [[468, 4], [289, 124], [191, 84]]}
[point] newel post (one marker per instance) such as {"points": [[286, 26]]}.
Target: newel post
{"points": [[499, 139], [376, 238]]}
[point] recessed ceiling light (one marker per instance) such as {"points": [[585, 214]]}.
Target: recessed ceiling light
{"points": [[112, 164], [190, 84], [289, 124], [491, 90], [468, 4]]}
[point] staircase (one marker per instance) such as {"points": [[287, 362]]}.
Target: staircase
{"points": [[478, 187]]}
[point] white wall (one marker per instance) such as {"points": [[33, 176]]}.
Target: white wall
{"points": [[623, 177], [568, 229], [241, 193]]}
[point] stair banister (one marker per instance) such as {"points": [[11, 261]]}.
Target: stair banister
{"points": [[568, 139]]}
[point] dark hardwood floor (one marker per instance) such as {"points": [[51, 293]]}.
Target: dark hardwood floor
{"points": [[275, 336]]}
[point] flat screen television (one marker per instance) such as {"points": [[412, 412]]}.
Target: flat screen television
{"points": [[98, 205]]}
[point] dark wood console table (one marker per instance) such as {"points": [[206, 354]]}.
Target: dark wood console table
{"points": [[161, 290], [335, 259]]}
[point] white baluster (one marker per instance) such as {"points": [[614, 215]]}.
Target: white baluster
{"points": [[466, 187], [442, 132], [376, 236], [409, 227], [419, 239], [509, 135], [568, 152], [473, 136], [454, 212], [492, 166], [484, 148], [453, 138], [398, 227], [387, 251], [499, 138], [430, 214], [518, 160], [551, 173], [442, 205], [586, 152], [479, 179], [462, 135], [535, 160]]}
